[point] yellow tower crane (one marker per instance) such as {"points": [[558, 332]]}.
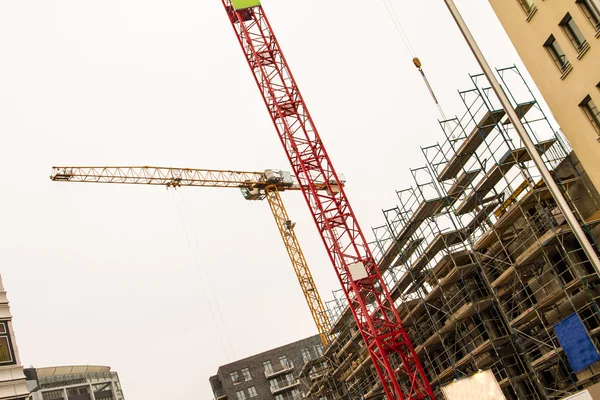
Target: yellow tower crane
{"points": [[254, 186]]}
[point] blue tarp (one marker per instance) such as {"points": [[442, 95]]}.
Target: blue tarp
{"points": [[576, 343]]}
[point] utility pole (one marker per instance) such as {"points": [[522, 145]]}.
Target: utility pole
{"points": [[529, 145]]}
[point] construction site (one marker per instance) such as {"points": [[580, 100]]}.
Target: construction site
{"points": [[478, 259], [486, 265]]}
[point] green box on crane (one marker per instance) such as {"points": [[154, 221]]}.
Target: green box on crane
{"points": [[243, 4]]}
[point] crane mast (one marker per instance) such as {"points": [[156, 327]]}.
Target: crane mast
{"points": [[373, 309], [254, 185]]}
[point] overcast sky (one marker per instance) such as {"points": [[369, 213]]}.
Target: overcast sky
{"points": [[113, 275]]}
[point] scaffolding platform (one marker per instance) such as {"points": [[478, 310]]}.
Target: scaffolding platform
{"points": [[425, 210], [478, 259], [471, 144], [496, 173]]}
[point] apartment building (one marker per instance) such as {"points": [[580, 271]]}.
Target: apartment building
{"points": [[559, 43], [12, 379], [74, 382], [271, 375]]}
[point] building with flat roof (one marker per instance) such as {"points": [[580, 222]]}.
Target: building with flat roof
{"points": [[12, 379], [74, 382], [271, 375], [559, 43]]}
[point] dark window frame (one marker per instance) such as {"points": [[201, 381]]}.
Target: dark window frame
{"points": [[592, 112], [592, 12], [554, 50], [573, 33], [528, 6]]}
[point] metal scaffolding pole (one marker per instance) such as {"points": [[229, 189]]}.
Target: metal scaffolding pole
{"points": [[529, 145]]}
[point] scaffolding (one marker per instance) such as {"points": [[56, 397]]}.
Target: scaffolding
{"points": [[315, 375], [479, 260]]}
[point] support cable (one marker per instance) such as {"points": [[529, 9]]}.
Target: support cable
{"points": [[197, 264]]}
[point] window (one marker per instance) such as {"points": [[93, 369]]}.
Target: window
{"points": [[246, 374], [305, 354], [252, 391], [296, 394], [573, 33], [274, 384], [6, 351], [591, 111], [268, 367], [591, 9], [293, 395], [77, 391], [284, 362], [53, 395], [527, 5], [240, 394], [319, 350], [557, 54], [235, 378]]}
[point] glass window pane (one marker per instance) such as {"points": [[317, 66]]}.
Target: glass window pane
{"points": [[53, 395], [246, 374], [572, 31], [557, 53], [592, 112], [5, 350], [252, 391], [591, 8], [527, 5]]}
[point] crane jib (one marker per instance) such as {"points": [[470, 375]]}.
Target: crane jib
{"points": [[373, 309]]}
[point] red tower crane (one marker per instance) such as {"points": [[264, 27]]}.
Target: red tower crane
{"points": [[389, 346]]}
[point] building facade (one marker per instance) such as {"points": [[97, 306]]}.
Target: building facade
{"points": [[559, 43], [12, 379], [271, 375], [78, 382], [479, 261]]}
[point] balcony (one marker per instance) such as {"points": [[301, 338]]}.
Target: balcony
{"points": [[220, 394], [281, 370], [282, 387]]}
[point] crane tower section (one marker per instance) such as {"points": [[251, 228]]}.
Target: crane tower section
{"points": [[389, 347]]}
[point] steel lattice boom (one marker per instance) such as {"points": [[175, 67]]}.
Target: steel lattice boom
{"points": [[389, 347], [172, 177], [256, 185]]}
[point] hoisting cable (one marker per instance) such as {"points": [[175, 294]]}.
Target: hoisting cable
{"points": [[419, 66], [197, 264], [208, 278], [400, 29]]}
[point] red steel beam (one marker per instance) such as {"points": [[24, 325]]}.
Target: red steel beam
{"points": [[388, 344]]}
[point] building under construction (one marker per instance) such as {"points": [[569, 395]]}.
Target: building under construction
{"points": [[479, 260]]}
